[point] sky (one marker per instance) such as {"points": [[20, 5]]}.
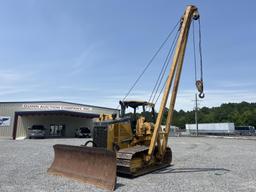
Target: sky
{"points": [[92, 51]]}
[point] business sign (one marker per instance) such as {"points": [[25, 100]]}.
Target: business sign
{"points": [[56, 107], [5, 121]]}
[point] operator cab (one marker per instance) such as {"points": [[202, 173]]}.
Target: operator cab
{"points": [[148, 111]]}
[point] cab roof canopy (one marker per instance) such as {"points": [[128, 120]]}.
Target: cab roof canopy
{"points": [[135, 104]]}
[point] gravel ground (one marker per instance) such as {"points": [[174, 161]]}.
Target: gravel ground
{"points": [[199, 164]]}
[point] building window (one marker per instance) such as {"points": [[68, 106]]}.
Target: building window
{"points": [[57, 130]]}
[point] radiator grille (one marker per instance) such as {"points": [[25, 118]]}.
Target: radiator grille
{"points": [[100, 136]]}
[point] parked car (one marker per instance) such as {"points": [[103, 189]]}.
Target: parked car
{"points": [[245, 130], [83, 132], [36, 131]]}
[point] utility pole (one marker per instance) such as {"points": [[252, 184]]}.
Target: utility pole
{"points": [[196, 108]]}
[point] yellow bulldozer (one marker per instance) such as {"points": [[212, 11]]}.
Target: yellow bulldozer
{"points": [[129, 144]]}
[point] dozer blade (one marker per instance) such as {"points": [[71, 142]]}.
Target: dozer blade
{"points": [[96, 166]]}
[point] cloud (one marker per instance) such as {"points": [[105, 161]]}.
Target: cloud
{"points": [[78, 89], [15, 76], [9, 76], [186, 98], [11, 91], [214, 97], [234, 84], [19, 85], [15, 83], [87, 58]]}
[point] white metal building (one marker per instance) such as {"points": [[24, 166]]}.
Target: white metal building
{"points": [[211, 128], [60, 119]]}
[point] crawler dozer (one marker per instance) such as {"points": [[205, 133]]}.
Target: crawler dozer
{"points": [[129, 144]]}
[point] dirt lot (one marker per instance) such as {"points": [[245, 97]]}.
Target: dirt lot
{"points": [[199, 164]]}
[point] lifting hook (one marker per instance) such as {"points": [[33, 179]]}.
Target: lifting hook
{"points": [[200, 88]]}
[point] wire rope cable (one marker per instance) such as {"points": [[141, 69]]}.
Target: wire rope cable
{"points": [[150, 62], [163, 70], [194, 50], [200, 50], [168, 61], [162, 89]]}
